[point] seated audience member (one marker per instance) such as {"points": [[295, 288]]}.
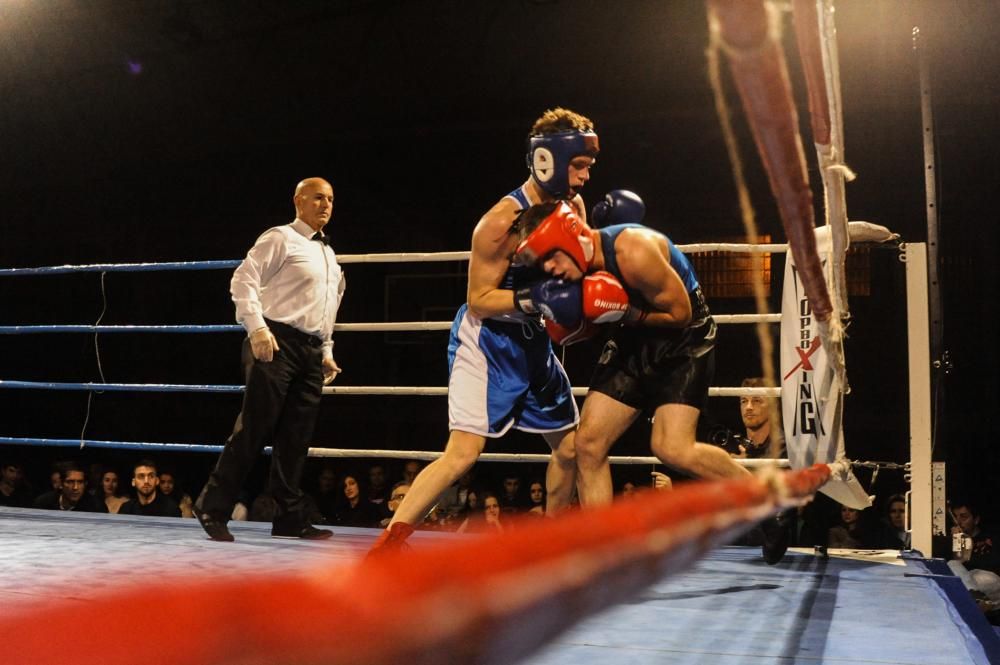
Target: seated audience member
{"points": [[486, 521], [471, 511], [328, 496], [356, 510], [148, 500], [852, 532], [511, 500], [14, 491], [894, 533], [978, 564], [536, 495], [396, 496], [55, 475], [169, 487], [628, 490], [410, 471], [109, 491], [72, 493], [377, 490]]}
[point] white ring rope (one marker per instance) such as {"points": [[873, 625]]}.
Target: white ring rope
{"points": [[578, 392], [423, 257], [540, 458], [381, 326], [397, 257]]}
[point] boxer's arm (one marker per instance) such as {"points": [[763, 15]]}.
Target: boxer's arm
{"points": [[645, 267], [492, 246]]}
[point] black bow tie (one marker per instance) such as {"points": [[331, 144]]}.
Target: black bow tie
{"points": [[322, 238]]}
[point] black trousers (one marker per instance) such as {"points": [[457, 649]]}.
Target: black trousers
{"points": [[280, 407]]}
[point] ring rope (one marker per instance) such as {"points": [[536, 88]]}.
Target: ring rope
{"points": [[396, 326], [345, 453], [327, 390], [399, 257]]}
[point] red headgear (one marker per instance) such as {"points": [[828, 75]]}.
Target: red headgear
{"points": [[562, 229]]}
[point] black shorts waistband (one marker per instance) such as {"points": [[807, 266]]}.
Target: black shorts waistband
{"points": [[285, 331]]}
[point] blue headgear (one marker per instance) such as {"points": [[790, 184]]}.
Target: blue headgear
{"points": [[549, 156]]}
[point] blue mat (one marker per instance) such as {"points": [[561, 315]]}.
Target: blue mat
{"points": [[729, 608]]}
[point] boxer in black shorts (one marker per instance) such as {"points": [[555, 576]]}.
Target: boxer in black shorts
{"points": [[660, 357]]}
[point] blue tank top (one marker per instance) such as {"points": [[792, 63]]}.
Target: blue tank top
{"points": [[678, 261], [518, 277]]}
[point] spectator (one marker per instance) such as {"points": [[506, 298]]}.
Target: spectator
{"points": [[410, 471], [169, 488], [13, 490], [72, 493], [109, 491], [536, 495], [328, 497], [148, 501], [396, 496], [511, 500], [896, 536], [755, 412], [356, 510], [978, 561], [658, 481], [377, 490], [852, 532], [55, 475], [486, 521]]}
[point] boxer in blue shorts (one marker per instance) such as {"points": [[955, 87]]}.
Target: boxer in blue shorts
{"points": [[503, 372], [660, 355]]}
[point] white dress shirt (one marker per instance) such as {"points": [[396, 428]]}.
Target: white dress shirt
{"points": [[290, 278]]}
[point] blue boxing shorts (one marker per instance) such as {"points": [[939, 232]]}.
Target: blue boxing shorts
{"points": [[503, 374]]}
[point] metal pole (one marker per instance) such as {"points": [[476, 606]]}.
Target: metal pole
{"points": [[922, 510]]}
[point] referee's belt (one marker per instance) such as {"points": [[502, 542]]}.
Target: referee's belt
{"points": [[285, 331]]}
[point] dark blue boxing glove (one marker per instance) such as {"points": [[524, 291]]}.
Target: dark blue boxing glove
{"points": [[558, 300], [619, 206]]}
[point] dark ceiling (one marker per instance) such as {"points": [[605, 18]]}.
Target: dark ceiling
{"points": [[145, 114]]}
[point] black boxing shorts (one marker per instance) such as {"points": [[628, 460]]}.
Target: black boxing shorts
{"points": [[646, 367]]}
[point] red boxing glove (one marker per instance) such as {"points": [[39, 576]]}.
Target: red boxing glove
{"points": [[565, 336], [604, 298]]}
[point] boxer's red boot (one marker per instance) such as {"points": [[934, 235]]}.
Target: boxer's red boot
{"points": [[393, 539]]}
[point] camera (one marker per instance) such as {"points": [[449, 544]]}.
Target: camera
{"points": [[729, 440]]}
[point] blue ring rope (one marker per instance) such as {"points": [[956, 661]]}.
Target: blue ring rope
{"points": [[125, 445], [123, 387], [123, 267], [76, 328]]}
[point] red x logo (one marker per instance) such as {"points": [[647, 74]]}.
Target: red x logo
{"points": [[804, 355]]}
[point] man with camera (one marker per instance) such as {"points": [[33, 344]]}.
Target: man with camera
{"points": [[755, 411]]}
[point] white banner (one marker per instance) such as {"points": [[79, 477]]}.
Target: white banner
{"points": [[811, 394]]}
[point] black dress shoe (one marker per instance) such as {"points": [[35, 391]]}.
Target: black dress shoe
{"points": [[303, 531], [215, 528]]}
